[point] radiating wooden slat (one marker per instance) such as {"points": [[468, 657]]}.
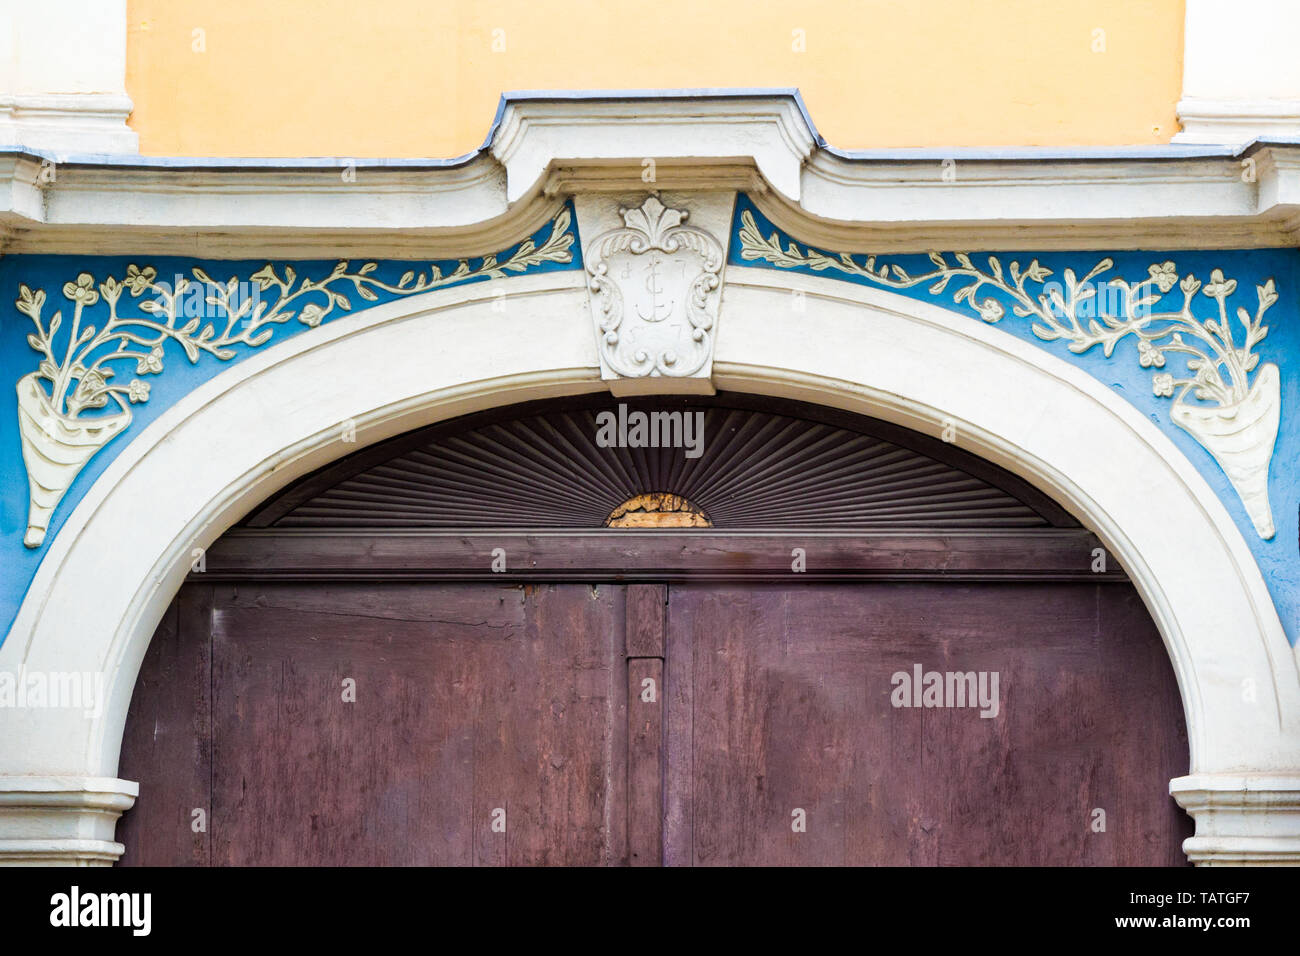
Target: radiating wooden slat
{"points": [[764, 466]]}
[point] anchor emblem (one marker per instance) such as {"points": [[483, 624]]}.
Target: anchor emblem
{"points": [[652, 286]]}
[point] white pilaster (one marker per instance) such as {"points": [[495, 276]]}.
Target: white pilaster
{"points": [[1241, 75], [63, 77]]}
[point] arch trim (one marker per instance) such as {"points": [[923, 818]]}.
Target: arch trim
{"points": [[256, 426]]}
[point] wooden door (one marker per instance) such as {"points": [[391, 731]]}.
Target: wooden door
{"points": [[680, 659], [679, 723], [382, 724], [785, 747]]}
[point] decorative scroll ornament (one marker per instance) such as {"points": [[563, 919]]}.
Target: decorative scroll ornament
{"points": [[58, 422], [1234, 417], [654, 289]]}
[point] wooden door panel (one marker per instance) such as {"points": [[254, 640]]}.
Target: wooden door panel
{"points": [[768, 698], [166, 744], [780, 701], [469, 699], [645, 613]]}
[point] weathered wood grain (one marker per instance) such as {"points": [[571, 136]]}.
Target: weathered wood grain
{"points": [[310, 555], [785, 705], [468, 699], [166, 746], [761, 463], [645, 626], [770, 697], [646, 604]]}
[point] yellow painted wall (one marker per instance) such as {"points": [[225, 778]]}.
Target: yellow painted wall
{"points": [[412, 78]]}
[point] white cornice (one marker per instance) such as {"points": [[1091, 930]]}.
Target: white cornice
{"points": [[545, 147], [1089, 202], [772, 131], [68, 122], [1208, 120]]}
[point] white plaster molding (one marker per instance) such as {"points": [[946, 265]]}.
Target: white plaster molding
{"points": [[1119, 202], [261, 423], [654, 285], [535, 133], [1241, 819], [1234, 417], [1236, 122], [1241, 77], [143, 318], [61, 123], [543, 149], [319, 209], [61, 820], [63, 83]]}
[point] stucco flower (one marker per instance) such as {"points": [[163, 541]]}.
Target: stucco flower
{"points": [[1218, 286], [1190, 284], [264, 277], [137, 391], [991, 310], [1165, 275], [111, 289], [91, 389], [83, 291], [1149, 355], [30, 302], [151, 362], [1163, 385], [311, 315], [138, 280], [1036, 272]]}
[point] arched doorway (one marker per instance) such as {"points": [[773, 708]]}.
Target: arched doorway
{"points": [[450, 647]]}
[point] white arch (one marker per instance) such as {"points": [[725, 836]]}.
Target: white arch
{"points": [[227, 446]]}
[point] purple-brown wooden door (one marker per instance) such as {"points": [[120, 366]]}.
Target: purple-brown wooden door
{"points": [[381, 725], [781, 706], [556, 723]]}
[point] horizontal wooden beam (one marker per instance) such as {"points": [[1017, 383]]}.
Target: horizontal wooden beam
{"points": [[1050, 554]]}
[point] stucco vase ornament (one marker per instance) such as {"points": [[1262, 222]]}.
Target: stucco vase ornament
{"points": [[55, 449], [1241, 436], [1233, 416]]}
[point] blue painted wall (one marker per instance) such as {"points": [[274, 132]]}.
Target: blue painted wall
{"points": [[18, 563]]}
